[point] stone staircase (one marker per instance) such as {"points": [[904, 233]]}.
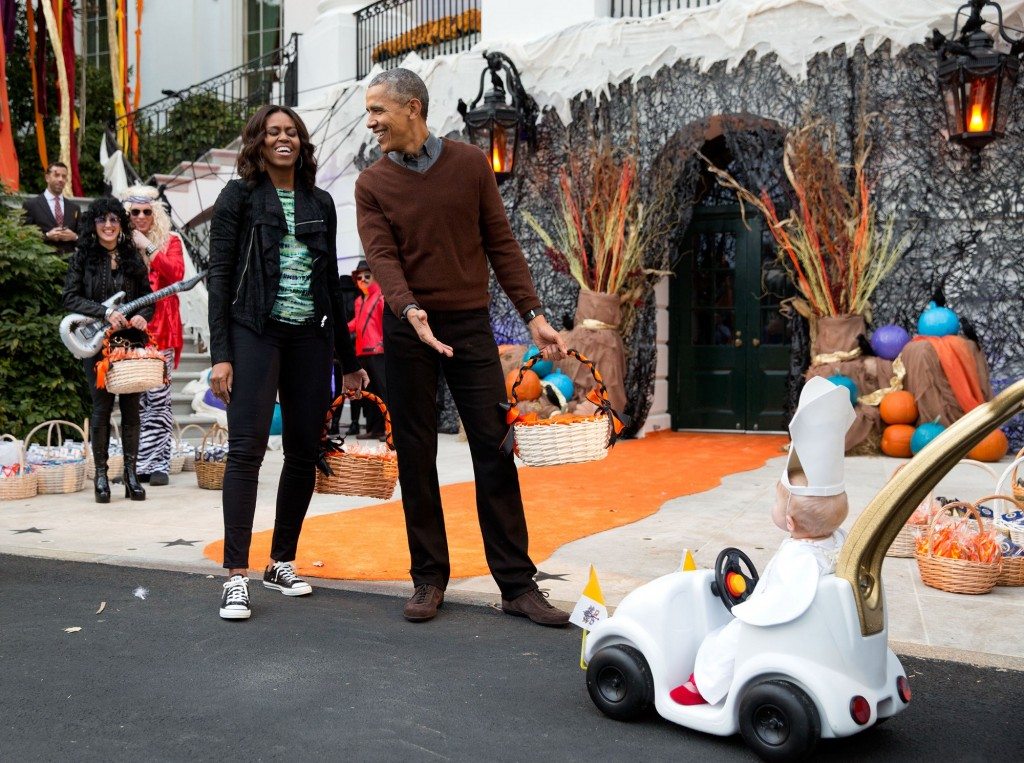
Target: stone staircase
{"points": [[192, 364], [193, 187]]}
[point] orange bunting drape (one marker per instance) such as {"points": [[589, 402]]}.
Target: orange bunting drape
{"points": [[37, 93], [960, 368], [8, 156]]}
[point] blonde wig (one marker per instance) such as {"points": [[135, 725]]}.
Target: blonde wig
{"points": [[147, 194]]}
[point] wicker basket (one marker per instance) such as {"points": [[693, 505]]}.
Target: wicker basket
{"points": [[1010, 483], [188, 463], [1012, 573], [58, 478], [957, 575], [210, 474], [115, 461], [370, 475], [121, 375], [905, 544], [24, 484], [548, 443]]}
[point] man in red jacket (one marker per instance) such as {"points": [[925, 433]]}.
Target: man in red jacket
{"points": [[431, 221], [368, 326]]}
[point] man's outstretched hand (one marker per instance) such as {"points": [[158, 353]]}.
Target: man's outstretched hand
{"points": [[548, 341], [418, 320]]}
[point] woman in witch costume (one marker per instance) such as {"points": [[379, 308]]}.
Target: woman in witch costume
{"points": [[105, 263]]}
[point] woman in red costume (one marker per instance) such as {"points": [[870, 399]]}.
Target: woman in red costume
{"points": [[162, 251], [368, 327]]}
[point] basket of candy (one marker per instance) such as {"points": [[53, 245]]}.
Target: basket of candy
{"points": [[115, 455], [563, 438], [212, 458], [1007, 515], [17, 479], [131, 363], [957, 556], [1016, 485], [357, 470], [59, 464], [905, 544]]}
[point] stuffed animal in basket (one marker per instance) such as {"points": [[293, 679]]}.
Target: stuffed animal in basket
{"points": [[810, 504]]}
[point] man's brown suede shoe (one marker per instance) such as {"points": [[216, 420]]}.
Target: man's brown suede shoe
{"points": [[423, 604], [534, 605]]}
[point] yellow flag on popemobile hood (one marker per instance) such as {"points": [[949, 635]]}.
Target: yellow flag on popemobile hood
{"points": [[590, 609]]}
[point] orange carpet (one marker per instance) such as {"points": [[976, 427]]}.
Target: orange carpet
{"points": [[563, 504]]}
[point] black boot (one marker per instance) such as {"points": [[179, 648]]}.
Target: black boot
{"points": [[130, 442], [100, 434]]}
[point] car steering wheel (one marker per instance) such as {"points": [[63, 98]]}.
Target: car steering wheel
{"points": [[731, 584]]}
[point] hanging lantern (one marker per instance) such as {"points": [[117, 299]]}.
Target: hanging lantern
{"points": [[976, 80], [498, 126]]}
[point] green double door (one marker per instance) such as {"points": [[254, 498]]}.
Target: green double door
{"points": [[728, 343]]}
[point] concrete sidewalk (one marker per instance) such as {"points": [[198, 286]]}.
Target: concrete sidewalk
{"points": [[170, 529]]}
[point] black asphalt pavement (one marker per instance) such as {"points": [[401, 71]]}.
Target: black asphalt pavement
{"points": [[342, 676]]}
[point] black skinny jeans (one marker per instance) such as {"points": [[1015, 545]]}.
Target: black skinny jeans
{"points": [[475, 380], [295, 363]]}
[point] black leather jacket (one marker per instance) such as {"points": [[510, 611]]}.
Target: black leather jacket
{"points": [[245, 237], [89, 281]]}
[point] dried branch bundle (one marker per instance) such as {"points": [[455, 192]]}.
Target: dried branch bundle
{"points": [[607, 223], [831, 242]]}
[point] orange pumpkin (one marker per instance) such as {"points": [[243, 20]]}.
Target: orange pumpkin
{"points": [[529, 387], [896, 440], [992, 448], [898, 408]]}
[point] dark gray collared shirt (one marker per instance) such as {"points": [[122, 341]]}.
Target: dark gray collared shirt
{"points": [[422, 161]]}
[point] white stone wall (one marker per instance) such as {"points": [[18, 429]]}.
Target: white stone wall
{"points": [[659, 417]]}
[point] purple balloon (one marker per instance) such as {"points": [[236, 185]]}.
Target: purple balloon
{"points": [[888, 341]]}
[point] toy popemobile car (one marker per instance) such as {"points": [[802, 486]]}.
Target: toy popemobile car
{"points": [[821, 668]]}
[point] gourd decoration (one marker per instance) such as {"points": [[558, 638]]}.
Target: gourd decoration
{"points": [[561, 382], [896, 440], [898, 408], [850, 384], [938, 321], [924, 434], [529, 387], [992, 448], [888, 341], [542, 367]]}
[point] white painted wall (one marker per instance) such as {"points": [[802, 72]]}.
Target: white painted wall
{"points": [[521, 20], [327, 49]]}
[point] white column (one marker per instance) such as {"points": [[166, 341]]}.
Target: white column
{"points": [[659, 418], [327, 50], [521, 20]]}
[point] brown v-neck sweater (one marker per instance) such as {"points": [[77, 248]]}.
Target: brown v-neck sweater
{"points": [[429, 236]]}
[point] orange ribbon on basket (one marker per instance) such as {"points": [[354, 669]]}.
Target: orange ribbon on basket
{"points": [[598, 396], [125, 351], [335, 444]]}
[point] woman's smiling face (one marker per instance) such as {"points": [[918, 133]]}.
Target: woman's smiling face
{"points": [[281, 141]]}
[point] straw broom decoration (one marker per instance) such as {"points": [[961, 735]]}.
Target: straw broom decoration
{"points": [[831, 243]]}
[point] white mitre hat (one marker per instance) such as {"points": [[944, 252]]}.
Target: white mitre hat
{"points": [[818, 432]]}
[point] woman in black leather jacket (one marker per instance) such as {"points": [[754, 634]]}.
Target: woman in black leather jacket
{"points": [[105, 263], [276, 320]]}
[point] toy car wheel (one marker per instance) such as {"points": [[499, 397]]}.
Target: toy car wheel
{"points": [[779, 721], [620, 682]]}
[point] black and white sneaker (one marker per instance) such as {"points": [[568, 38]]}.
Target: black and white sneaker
{"points": [[281, 577], [234, 604]]}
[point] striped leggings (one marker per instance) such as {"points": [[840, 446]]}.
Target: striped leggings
{"points": [[157, 426]]}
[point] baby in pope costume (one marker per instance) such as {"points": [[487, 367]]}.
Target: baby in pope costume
{"points": [[810, 504]]}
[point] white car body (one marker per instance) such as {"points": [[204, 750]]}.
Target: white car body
{"points": [[821, 651]]}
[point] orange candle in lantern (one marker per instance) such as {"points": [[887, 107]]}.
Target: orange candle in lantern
{"points": [[498, 143]]}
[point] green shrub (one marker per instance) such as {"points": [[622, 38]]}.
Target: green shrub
{"points": [[39, 378]]}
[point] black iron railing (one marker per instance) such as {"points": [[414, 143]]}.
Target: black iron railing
{"points": [[622, 8], [388, 30], [188, 123]]}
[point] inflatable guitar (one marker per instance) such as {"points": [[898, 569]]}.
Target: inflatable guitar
{"points": [[83, 334]]}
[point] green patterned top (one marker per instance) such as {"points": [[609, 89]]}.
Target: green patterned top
{"points": [[294, 302]]}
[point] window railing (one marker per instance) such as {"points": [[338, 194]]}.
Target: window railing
{"points": [[210, 114], [640, 8], [388, 30]]}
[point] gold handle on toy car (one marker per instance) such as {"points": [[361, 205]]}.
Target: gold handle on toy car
{"points": [[860, 561]]}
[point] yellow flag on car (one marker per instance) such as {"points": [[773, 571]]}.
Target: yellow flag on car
{"points": [[590, 609]]}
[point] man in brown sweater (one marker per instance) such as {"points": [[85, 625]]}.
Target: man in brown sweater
{"points": [[431, 219]]}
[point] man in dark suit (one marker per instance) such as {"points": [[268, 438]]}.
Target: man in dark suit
{"points": [[55, 216]]}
